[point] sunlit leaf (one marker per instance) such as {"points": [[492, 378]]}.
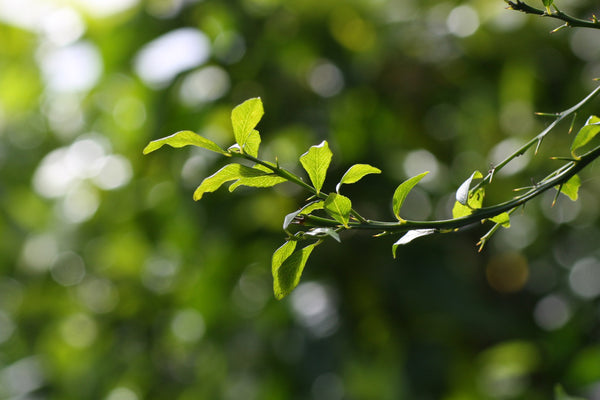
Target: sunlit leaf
{"points": [[184, 138], [586, 134], [316, 162], [288, 268], [356, 173], [338, 207], [502, 219], [281, 254], [261, 181], [475, 201], [402, 191], [410, 236], [462, 194], [244, 119], [230, 172], [252, 144], [571, 187]]}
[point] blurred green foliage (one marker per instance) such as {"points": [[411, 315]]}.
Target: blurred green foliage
{"points": [[116, 285]]}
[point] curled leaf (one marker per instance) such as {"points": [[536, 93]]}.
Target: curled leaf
{"points": [[184, 138], [462, 194], [585, 134], [409, 237], [356, 173], [230, 172], [402, 191]]}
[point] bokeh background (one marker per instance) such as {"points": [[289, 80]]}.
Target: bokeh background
{"points": [[115, 285]]}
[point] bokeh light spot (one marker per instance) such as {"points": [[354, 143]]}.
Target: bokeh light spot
{"points": [[314, 306], [68, 269], [73, 68], [204, 85], [552, 312], [159, 61], [79, 330], [463, 21], [325, 79], [507, 272], [188, 325], [584, 278]]}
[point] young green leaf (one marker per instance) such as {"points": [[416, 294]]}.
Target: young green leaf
{"points": [[338, 207], [409, 237], [462, 194], [316, 162], [571, 187], [475, 201], [281, 254], [244, 119], [230, 172], [261, 181], [585, 134], [252, 143], [502, 219], [356, 173], [287, 269], [307, 209], [402, 191], [184, 138]]}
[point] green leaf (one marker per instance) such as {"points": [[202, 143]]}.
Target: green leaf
{"points": [[307, 209], [184, 138], [230, 172], [571, 187], [402, 191], [252, 144], [281, 254], [287, 268], [475, 201], [462, 194], [316, 162], [261, 181], [502, 219], [244, 119], [409, 237], [586, 134], [338, 207], [356, 173]]}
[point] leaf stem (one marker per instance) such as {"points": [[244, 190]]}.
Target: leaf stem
{"points": [[569, 20]]}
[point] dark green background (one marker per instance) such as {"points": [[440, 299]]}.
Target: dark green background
{"points": [[154, 296]]}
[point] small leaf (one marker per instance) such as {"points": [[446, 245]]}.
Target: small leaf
{"points": [[586, 134], [356, 173], [402, 191], [316, 162], [474, 202], [262, 181], [287, 274], [230, 172], [502, 219], [252, 144], [184, 138], [324, 231], [307, 209], [244, 119], [571, 187], [410, 236], [462, 194], [338, 207]]}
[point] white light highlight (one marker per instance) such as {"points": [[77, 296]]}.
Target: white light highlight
{"points": [[462, 21], [325, 79], [204, 85], [584, 278], [159, 61], [73, 68]]}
